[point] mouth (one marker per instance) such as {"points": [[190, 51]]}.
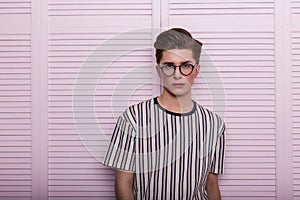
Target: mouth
{"points": [[178, 85]]}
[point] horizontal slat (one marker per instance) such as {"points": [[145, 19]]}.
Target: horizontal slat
{"points": [[104, 196], [238, 40], [15, 188], [105, 172], [79, 23], [15, 10], [112, 2], [83, 188], [13, 183], [76, 194], [78, 155], [15, 177], [14, 42], [63, 9], [225, 23], [241, 188], [230, 172], [220, 5], [15, 7], [99, 6], [79, 53], [98, 12], [221, 10], [16, 1], [231, 47], [16, 195], [15, 143], [238, 165], [11, 67], [106, 179], [221, 1], [9, 5]]}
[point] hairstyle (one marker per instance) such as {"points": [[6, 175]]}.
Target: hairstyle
{"points": [[176, 38]]}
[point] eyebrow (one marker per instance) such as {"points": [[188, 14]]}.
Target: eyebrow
{"points": [[171, 63]]}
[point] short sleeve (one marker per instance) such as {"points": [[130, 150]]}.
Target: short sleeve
{"points": [[218, 161], [121, 150]]}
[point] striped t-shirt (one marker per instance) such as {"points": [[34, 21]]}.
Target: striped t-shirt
{"points": [[171, 154]]}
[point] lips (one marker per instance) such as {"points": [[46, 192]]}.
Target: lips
{"points": [[178, 85]]}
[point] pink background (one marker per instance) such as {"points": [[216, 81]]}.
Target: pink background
{"points": [[254, 47]]}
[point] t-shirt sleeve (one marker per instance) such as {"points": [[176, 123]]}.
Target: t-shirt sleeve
{"points": [[121, 150], [218, 161]]}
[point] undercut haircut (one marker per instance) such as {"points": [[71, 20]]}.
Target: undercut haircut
{"points": [[176, 38]]}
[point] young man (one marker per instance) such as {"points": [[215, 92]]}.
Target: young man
{"points": [[169, 147]]}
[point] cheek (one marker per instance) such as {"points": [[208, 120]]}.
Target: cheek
{"points": [[165, 80], [191, 79]]}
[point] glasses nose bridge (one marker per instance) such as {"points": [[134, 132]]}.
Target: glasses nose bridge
{"points": [[175, 69]]}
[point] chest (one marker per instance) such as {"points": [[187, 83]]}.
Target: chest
{"points": [[166, 140]]}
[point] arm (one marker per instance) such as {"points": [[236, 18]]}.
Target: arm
{"points": [[212, 187], [124, 185]]}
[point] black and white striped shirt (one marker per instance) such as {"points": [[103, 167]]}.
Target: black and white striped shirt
{"points": [[171, 154]]}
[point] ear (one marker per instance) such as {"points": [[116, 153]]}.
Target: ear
{"points": [[197, 70]]}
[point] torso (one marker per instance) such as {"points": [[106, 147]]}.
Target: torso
{"points": [[173, 151]]}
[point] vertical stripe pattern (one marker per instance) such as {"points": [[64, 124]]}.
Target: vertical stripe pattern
{"points": [[170, 153]]}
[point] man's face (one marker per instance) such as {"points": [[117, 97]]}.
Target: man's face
{"points": [[178, 84]]}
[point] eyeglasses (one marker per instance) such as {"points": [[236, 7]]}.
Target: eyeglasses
{"points": [[169, 69]]}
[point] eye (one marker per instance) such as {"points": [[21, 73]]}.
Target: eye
{"points": [[168, 66], [187, 65]]}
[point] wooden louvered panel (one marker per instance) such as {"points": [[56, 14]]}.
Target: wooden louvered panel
{"points": [[102, 65], [238, 38], [15, 115], [250, 115], [15, 97], [295, 40]]}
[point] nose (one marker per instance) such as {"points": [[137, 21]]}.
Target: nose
{"points": [[177, 73]]}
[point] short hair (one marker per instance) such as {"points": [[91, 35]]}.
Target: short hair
{"points": [[176, 38]]}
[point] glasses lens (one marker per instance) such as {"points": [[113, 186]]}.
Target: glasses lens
{"points": [[168, 70], [186, 69]]}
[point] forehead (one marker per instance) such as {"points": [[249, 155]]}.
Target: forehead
{"points": [[177, 55]]}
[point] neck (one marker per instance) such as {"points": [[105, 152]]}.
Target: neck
{"points": [[177, 104]]}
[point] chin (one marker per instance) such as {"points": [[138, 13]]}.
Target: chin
{"points": [[177, 93]]}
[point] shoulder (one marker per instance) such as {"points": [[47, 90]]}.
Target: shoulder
{"points": [[211, 117], [141, 106], [135, 110]]}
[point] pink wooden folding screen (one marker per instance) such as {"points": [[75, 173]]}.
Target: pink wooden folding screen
{"points": [[68, 68]]}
